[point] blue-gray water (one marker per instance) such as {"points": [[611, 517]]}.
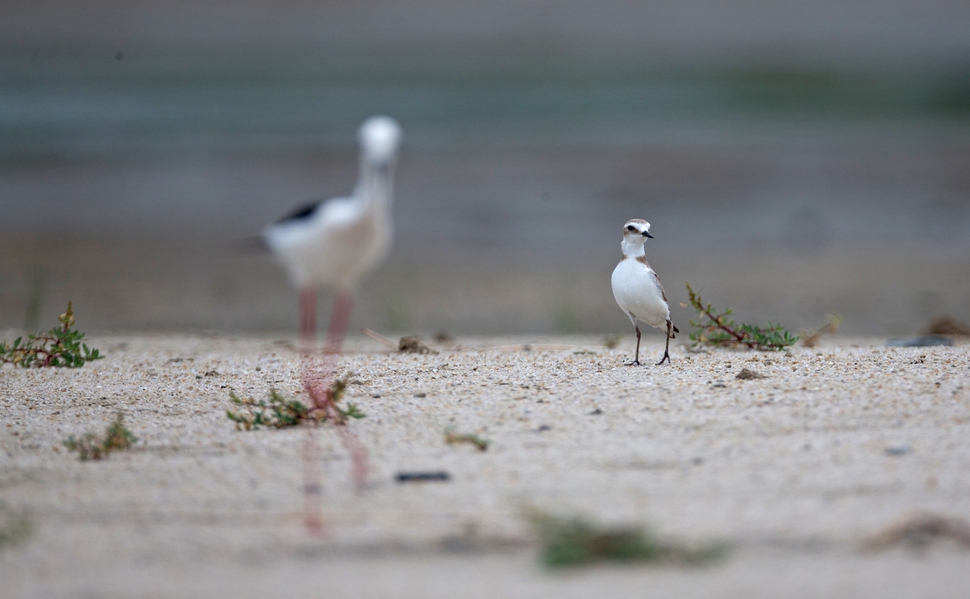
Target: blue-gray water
{"points": [[734, 155], [788, 189]]}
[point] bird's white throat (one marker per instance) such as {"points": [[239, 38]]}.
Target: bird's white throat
{"points": [[632, 247], [376, 184]]}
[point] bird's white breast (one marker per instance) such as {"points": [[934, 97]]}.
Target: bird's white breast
{"points": [[335, 246], [636, 292]]}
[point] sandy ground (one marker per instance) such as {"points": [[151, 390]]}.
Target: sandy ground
{"points": [[793, 471]]}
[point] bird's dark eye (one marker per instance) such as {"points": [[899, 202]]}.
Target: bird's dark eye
{"points": [[631, 228]]}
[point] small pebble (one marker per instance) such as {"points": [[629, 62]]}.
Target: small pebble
{"points": [[417, 477], [747, 374], [924, 341]]}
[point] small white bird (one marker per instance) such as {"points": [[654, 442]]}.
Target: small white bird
{"points": [[336, 242], [637, 288]]}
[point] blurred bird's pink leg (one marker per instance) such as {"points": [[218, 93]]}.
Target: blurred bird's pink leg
{"points": [[308, 320], [313, 378], [312, 503], [318, 382], [318, 374], [311, 476], [308, 332], [343, 305]]}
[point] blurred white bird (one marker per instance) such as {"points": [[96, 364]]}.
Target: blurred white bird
{"points": [[338, 241], [637, 288], [335, 243]]}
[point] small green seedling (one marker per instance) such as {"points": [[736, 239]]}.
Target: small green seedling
{"points": [[279, 412], [613, 341], [574, 541], [15, 531], [93, 447], [60, 346], [453, 438], [720, 330]]}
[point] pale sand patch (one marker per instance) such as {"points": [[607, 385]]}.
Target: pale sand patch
{"points": [[792, 470]]}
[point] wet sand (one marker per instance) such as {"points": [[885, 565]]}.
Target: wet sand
{"points": [[793, 471]]}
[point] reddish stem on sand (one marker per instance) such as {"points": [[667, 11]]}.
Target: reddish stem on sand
{"points": [[718, 320], [55, 349]]}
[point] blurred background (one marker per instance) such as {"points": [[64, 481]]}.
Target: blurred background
{"points": [[796, 159]]}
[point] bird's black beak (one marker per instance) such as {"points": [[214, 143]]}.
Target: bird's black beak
{"points": [[647, 234]]}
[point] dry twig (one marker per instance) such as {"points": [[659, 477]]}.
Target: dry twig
{"points": [[918, 530], [947, 325], [413, 345], [829, 328]]}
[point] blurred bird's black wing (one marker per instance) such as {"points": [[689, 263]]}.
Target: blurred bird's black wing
{"points": [[303, 212], [258, 244]]}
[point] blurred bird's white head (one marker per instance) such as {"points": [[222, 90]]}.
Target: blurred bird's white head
{"points": [[380, 138]]}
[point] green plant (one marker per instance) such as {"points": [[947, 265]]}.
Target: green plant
{"points": [[279, 412], [574, 541], [717, 328], [36, 290], [60, 346], [613, 341], [14, 531], [565, 318], [453, 438], [93, 447]]}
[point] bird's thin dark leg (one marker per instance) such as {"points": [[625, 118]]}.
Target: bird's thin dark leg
{"points": [[667, 346], [636, 359]]}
